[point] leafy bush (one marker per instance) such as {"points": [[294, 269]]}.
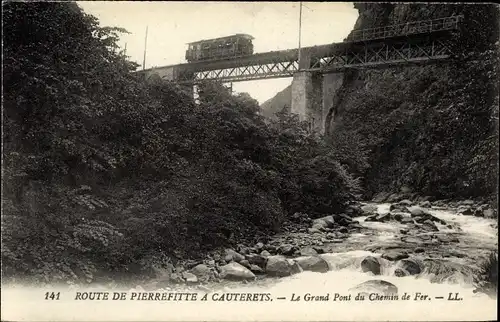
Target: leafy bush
{"points": [[108, 175]]}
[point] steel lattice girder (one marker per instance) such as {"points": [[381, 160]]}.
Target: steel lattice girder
{"points": [[271, 70], [368, 54], [385, 53]]}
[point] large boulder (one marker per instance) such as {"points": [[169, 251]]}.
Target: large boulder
{"points": [[236, 272], [398, 216], [232, 255], [383, 217], [281, 266], [394, 256], [202, 271], [400, 272], [425, 204], [398, 207], [323, 223], [410, 265], [375, 286], [342, 219], [312, 263], [370, 264], [417, 211], [287, 249], [256, 259], [405, 203], [429, 225]]}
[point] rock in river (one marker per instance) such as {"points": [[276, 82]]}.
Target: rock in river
{"points": [[281, 266], [369, 210], [410, 265], [394, 256], [370, 264], [237, 272], [417, 211], [312, 263]]}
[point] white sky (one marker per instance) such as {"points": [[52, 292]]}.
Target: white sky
{"points": [[173, 24]]}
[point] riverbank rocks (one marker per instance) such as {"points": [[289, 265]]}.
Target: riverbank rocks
{"points": [[287, 249], [236, 272], [256, 269], [405, 203], [256, 259], [465, 211], [280, 266], [189, 277], [312, 263], [378, 218], [398, 207], [371, 264], [231, 255], [323, 223], [265, 253], [394, 256], [425, 204], [354, 210], [202, 271], [428, 225], [375, 286], [417, 211]]}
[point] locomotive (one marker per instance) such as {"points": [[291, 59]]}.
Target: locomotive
{"points": [[237, 45]]}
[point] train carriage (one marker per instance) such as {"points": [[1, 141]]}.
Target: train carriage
{"points": [[237, 45]]}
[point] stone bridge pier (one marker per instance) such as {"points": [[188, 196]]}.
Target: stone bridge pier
{"points": [[314, 94]]}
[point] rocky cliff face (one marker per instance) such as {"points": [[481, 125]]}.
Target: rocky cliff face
{"points": [[430, 128]]}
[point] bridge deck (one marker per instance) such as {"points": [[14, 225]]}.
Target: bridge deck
{"points": [[362, 47]]}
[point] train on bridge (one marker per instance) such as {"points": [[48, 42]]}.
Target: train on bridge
{"points": [[229, 47]]}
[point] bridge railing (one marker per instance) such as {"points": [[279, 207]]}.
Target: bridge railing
{"points": [[417, 27]]}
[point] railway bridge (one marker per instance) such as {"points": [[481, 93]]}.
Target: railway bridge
{"points": [[318, 71]]}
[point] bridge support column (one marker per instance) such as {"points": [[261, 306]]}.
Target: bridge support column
{"points": [[308, 97], [315, 98]]}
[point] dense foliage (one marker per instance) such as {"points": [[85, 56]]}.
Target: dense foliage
{"points": [[106, 173], [431, 128]]}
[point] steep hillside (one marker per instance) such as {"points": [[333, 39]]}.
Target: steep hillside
{"points": [[429, 128], [273, 105]]}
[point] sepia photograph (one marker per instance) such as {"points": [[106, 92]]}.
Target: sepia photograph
{"points": [[249, 161]]}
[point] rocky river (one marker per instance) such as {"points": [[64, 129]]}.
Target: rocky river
{"points": [[428, 251], [403, 260]]}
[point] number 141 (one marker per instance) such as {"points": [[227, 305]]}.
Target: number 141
{"points": [[52, 296]]}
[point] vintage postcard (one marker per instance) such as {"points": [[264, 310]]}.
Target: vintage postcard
{"points": [[249, 161]]}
